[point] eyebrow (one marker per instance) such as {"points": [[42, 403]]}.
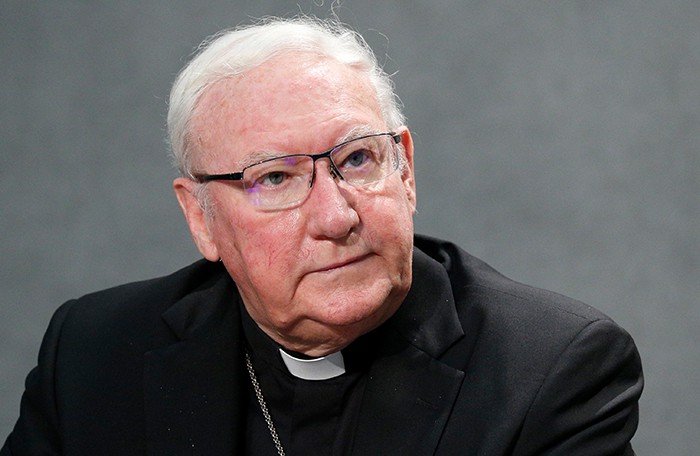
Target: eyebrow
{"points": [[262, 155], [356, 132], [257, 157]]}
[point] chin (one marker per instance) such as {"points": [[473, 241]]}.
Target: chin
{"points": [[362, 314], [322, 338], [338, 316]]}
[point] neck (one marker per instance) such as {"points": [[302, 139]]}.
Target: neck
{"points": [[331, 341]]}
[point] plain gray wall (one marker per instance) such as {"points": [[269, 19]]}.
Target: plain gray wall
{"points": [[559, 141]]}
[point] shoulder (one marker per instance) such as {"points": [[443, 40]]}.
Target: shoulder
{"points": [[501, 315], [132, 310], [477, 284], [154, 294]]}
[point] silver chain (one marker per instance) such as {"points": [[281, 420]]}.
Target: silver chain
{"points": [[263, 405]]}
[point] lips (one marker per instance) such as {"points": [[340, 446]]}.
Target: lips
{"points": [[341, 264]]}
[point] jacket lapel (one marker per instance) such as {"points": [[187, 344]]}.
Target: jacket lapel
{"points": [[410, 392], [195, 398]]}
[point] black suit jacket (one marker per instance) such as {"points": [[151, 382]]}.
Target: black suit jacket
{"points": [[471, 364]]}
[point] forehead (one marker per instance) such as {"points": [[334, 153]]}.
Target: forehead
{"points": [[292, 101]]}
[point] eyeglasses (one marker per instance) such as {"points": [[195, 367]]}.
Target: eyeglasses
{"points": [[282, 182]]}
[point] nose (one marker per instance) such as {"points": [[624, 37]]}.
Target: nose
{"points": [[330, 214]]}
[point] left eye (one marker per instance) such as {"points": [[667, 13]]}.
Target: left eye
{"points": [[356, 159]]}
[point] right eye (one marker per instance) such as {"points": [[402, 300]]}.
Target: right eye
{"points": [[271, 179], [274, 175]]}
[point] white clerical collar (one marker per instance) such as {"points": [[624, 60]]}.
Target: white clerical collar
{"points": [[322, 368]]}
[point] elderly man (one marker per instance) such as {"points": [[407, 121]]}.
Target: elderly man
{"points": [[318, 323]]}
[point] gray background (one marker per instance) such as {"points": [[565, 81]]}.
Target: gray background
{"points": [[557, 140]]}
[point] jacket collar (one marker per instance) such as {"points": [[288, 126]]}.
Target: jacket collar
{"points": [[428, 316], [410, 392]]}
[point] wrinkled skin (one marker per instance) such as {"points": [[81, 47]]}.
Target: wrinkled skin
{"points": [[317, 276]]}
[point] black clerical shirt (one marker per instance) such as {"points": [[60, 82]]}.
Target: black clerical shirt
{"points": [[311, 416]]}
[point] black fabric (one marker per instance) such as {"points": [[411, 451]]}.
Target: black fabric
{"points": [[311, 416], [472, 363]]}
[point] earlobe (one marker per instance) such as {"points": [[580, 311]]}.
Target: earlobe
{"points": [[195, 217]]}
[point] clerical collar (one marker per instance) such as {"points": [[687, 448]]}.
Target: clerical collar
{"points": [[296, 364], [322, 368]]}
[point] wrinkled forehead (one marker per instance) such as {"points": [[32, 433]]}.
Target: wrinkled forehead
{"points": [[292, 101]]}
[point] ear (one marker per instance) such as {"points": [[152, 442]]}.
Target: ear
{"points": [[185, 190], [407, 174]]}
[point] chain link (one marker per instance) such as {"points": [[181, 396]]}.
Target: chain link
{"points": [[263, 405]]}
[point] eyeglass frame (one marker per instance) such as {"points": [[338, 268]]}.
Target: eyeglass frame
{"points": [[335, 172]]}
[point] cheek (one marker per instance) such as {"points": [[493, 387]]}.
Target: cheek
{"points": [[388, 229], [276, 242], [389, 217], [260, 245]]}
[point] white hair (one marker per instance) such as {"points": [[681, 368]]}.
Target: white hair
{"points": [[233, 52]]}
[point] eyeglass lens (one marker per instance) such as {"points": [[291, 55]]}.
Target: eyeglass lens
{"points": [[286, 180]]}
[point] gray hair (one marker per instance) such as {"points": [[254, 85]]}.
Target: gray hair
{"points": [[233, 52]]}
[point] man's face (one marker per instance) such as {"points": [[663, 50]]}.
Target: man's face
{"points": [[316, 276]]}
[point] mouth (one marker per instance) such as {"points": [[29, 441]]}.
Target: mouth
{"points": [[342, 264]]}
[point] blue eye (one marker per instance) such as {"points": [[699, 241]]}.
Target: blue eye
{"points": [[356, 159]]}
